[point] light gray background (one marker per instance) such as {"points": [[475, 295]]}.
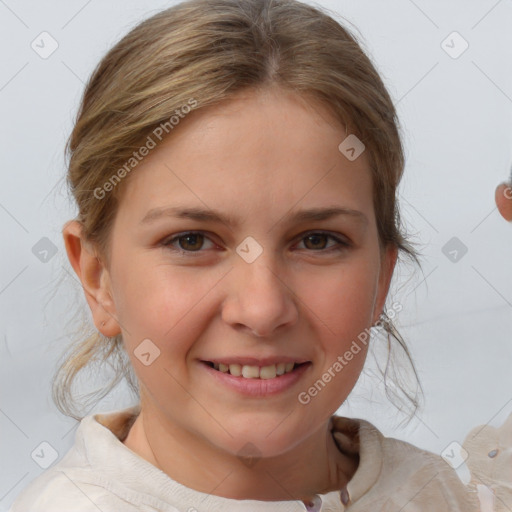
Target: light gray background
{"points": [[457, 121]]}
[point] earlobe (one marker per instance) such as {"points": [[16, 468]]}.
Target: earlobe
{"points": [[389, 260], [94, 278]]}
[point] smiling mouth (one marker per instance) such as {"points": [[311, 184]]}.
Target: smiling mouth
{"points": [[255, 372]]}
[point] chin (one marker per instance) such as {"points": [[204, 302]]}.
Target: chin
{"points": [[258, 438]]}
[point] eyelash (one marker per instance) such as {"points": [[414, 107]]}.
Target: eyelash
{"points": [[342, 244]]}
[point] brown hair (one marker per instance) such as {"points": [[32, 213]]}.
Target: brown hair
{"points": [[208, 50]]}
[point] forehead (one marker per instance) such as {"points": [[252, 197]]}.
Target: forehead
{"points": [[260, 152]]}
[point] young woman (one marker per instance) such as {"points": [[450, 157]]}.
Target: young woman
{"points": [[235, 167]]}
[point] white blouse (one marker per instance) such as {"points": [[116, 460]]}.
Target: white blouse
{"points": [[99, 473]]}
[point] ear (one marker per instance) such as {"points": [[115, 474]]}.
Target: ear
{"points": [[503, 196], [94, 277], [388, 262]]}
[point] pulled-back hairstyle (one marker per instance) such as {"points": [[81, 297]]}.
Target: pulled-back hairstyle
{"points": [[207, 51]]}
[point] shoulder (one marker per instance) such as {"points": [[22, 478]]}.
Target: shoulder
{"points": [[64, 490], [489, 460], [396, 474], [362, 437], [422, 480], [78, 481]]}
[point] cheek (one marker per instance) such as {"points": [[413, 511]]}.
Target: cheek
{"points": [[342, 300], [165, 305], [171, 308], [340, 307]]}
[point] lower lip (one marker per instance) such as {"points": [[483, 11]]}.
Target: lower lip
{"points": [[258, 387]]}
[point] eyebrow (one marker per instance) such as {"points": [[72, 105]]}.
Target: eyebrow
{"points": [[208, 215]]}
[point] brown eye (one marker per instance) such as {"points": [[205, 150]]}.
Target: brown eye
{"points": [[317, 241], [189, 242], [192, 242]]}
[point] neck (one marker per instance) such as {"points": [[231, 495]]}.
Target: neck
{"points": [[314, 466]]}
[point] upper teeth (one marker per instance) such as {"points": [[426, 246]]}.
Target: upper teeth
{"points": [[255, 372]]}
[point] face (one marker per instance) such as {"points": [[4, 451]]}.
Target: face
{"points": [[264, 286]]}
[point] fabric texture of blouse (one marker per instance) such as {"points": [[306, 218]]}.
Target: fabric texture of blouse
{"points": [[99, 473]]}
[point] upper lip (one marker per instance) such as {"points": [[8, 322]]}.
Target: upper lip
{"points": [[256, 361]]}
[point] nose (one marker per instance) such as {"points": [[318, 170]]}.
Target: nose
{"points": [[259, 299]]}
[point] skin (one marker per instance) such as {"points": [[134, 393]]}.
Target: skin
{"points": [[503, 197], [258, 157]]}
